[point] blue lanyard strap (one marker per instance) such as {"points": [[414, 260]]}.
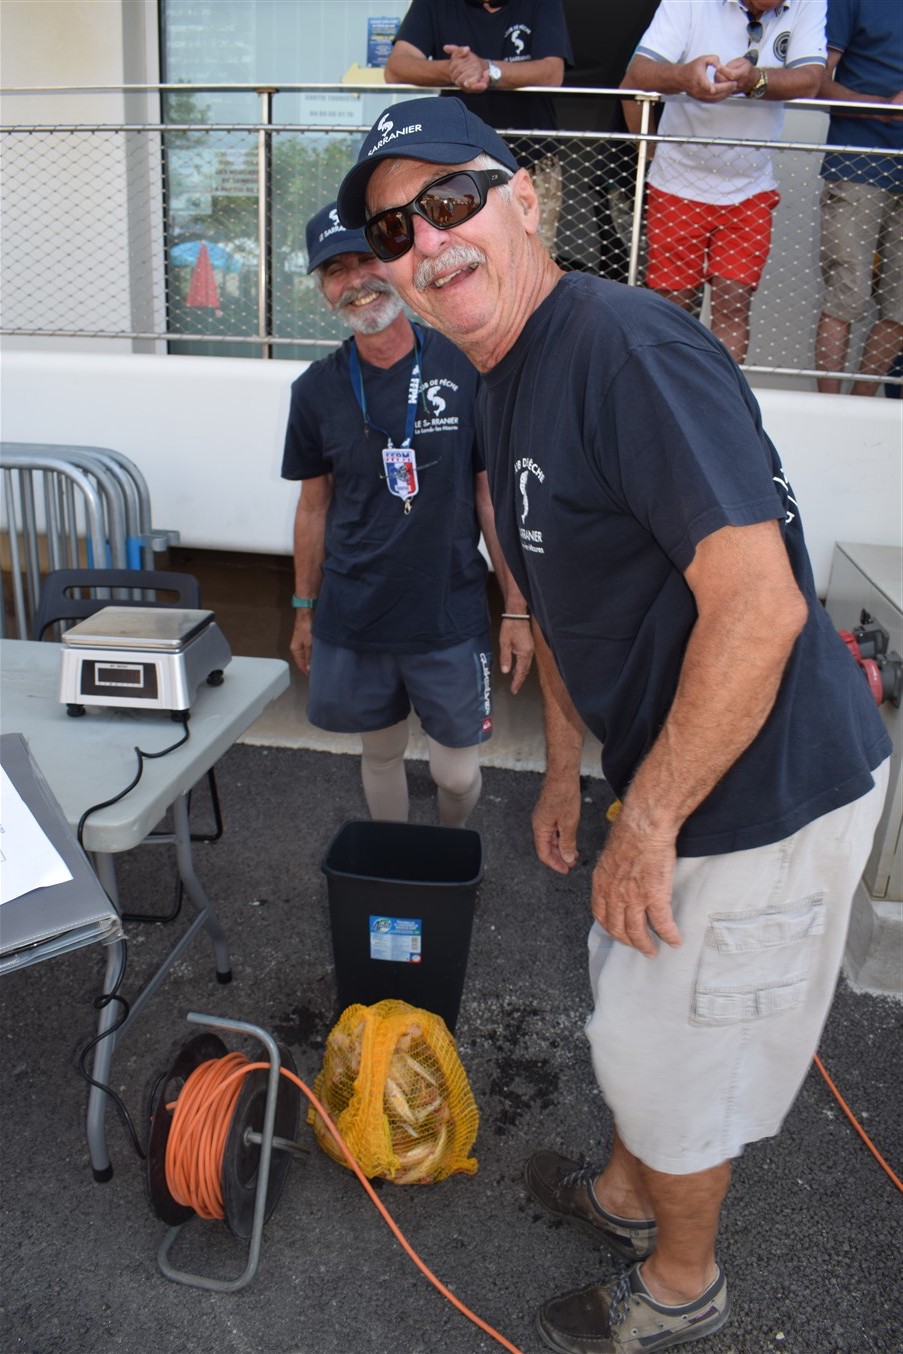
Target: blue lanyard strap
{"points": [[357, 385]]}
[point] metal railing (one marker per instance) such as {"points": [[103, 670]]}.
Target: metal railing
{"points": [[190, 232]]}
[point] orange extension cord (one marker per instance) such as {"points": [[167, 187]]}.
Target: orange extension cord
{"points": [[201, 1118], [861, 1131]]}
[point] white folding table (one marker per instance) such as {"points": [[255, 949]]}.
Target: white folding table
{"points": [[87, 761]]}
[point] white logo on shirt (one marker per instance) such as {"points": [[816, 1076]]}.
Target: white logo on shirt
{"points": [[530, 539], [783, 483], [519, 35]]}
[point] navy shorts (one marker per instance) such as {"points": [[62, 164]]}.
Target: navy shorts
{"points": [[450, 690]]}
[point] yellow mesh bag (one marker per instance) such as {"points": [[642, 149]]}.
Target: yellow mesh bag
{"points": [[394, 1087]]}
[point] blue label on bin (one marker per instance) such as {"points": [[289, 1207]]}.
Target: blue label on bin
{"points": [[398, 939]]}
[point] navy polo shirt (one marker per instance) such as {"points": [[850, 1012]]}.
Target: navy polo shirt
{"points": [[869, 34]]}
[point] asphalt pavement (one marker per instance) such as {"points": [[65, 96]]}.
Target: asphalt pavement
{"points": [[811, 1235]]}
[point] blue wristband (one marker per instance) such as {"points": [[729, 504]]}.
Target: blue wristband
{"points": [[308, 603]]}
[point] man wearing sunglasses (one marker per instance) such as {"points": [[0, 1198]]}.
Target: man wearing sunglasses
{"points": [[646, 517], [491, 52], [390, 586], [725, 68]]}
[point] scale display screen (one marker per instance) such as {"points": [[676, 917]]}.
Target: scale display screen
{"points": [[118, 679]]}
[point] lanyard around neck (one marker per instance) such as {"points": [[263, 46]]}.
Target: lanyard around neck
{"points": [[357, 384]]}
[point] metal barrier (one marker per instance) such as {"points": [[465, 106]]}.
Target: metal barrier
{"points": [[193, 233], [67, 507]]}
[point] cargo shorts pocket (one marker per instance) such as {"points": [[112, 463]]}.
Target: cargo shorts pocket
{"points": [[756, 964]]}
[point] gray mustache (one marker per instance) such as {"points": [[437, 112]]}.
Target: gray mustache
{"points": [[455, 256]]}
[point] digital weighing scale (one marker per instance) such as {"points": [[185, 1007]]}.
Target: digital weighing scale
{"points": [[141, 658]]}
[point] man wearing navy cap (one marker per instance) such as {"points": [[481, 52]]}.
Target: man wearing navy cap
{"points": [[390, 586], [647, 519]]}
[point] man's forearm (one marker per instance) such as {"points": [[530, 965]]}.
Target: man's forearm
{"points": [[564, 729], [407, 66]]}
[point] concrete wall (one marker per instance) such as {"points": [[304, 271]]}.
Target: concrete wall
{"points": [[207, 434]]}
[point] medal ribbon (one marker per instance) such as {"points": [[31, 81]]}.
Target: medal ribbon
{"points": [[357, 384]]}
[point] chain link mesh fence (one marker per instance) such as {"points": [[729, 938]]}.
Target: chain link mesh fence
{"points": [[169, 233]]}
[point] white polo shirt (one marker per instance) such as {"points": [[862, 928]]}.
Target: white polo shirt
{"points": [[793, 35]]}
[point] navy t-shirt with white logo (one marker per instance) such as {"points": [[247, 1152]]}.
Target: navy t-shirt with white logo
{"points": [[394, 582], [619, 434], [522, 30]]}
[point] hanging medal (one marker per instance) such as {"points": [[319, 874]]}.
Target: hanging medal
{"points": [[401, 473], [399, 463]]}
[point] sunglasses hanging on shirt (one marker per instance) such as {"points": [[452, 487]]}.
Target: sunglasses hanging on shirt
{"points": [[754, 31]]}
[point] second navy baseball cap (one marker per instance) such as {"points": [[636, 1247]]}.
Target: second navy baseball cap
{"points": [[326, 237]]}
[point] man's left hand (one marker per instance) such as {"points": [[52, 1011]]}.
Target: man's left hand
{"points": [[632, 884], [516, 651], [739, 72]]}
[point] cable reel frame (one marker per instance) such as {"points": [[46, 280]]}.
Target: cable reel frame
{"points": [[250, 1195]]}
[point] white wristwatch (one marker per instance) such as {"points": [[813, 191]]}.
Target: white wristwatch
{"points": [[495, 73]]}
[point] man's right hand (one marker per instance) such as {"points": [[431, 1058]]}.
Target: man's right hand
{"points": [[556, 818], [467, 70], [302, 639]]}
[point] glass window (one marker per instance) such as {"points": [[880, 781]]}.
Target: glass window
{"points": [[211, 165]]}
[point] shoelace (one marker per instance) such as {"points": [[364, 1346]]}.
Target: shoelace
{"points": [[584, 1175], [620, 1301]]}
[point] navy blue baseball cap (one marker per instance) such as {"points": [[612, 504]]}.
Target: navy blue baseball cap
{"points": [[326, 237], [436, 129]]}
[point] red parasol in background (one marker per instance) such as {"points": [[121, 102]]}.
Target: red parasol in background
{"points": [[202, 289]]}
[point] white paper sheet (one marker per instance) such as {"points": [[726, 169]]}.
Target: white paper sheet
{"points": [[28, 858]]}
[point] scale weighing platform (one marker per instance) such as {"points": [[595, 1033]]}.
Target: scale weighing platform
{"points": [[141, 658]]}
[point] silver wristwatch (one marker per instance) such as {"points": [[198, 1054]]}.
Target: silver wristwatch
{"points": [[495, 73]]}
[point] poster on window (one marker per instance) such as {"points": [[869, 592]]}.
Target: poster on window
{"points": [[380, 36]]}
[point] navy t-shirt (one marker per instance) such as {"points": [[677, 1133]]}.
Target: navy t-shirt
{"points": [[394, 582], [522, 30], [619, 433]]}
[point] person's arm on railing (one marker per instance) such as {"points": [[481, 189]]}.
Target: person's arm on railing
{"points": [[705, 79], [408, 65], [836, 92]]}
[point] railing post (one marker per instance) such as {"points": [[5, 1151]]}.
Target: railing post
{"points": [[645, 101], [265, 222]]}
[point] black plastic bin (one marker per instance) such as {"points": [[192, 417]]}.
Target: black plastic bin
{"points": [[401, 905]]}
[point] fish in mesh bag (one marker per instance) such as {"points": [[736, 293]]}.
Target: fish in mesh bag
{"points": [[393, 1084]]}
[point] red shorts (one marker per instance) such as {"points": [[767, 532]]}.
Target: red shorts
{"points": [[690, 242]]}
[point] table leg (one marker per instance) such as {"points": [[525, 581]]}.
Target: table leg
{"points": [[206, 919], [211, 922], [103, 1050]]}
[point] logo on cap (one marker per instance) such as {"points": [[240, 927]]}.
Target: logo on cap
{"points": [[335, 225], [385, 125]]}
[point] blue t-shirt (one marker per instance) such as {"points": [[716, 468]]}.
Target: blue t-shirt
{"points": [[522, 30], [619, 433], [394, 582], [869, 33]]}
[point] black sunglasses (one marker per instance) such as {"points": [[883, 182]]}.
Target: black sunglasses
{"points": [[444, 203], [754, 31]]}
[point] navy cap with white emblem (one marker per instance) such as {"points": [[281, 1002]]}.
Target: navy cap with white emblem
{"points": [[435, 129], [326, 237]]}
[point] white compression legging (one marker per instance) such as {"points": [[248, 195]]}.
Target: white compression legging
{"points": [[456, 772]]}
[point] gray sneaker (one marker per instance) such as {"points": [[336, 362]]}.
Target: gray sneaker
{"points": [[621, 1317], [566, 1188]]}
